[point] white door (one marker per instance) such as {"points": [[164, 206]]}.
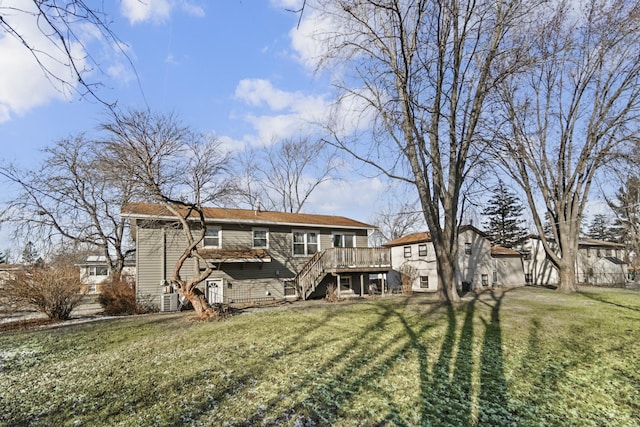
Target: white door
{"points": [[215, 291]]}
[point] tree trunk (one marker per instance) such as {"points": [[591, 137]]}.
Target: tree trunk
{"points": [[447, 278], [200, 305], [567, 274]]}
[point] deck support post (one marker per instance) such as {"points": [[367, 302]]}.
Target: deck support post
{"points": [[361, 284]]}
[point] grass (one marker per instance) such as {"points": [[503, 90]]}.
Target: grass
{"points": [[526, 357]]}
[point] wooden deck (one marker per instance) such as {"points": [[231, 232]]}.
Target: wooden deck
{"points": [[341, 260]]}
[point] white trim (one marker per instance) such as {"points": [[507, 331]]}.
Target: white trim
{"points": [[253, 240], [333, 234], [306, 242], [213, 227]]}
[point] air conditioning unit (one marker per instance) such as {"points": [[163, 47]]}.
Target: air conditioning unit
{"points": [[169, 302]]}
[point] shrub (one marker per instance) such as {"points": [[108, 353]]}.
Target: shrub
{"points": [[52, 291], [408, 274], [119, 297], [332, 293]]}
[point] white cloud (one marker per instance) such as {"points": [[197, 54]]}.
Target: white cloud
{"points": [[157, 11], [288, 113], [23, 82], [354, 198]]}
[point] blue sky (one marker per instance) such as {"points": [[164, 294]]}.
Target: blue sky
{"points": [[240, 69]]}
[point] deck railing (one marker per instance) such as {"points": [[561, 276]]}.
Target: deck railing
{"points": [[340, 259]]}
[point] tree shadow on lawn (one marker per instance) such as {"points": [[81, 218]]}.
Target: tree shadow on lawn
{"points": [[446, 395], [327, 391], [602, 299]]}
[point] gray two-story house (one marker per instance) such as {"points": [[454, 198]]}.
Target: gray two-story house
{"points": [[256, 255]]}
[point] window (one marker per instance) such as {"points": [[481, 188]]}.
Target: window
{"points": [[98, 271], [212, 237], [422, 250], [260, 238], [607, 252], [345, 283], [528, 278], [485, 280], [344, 240], [467, 248], [599, 253], [407, 251], [305, 242], [495, 277], [424, 281]]}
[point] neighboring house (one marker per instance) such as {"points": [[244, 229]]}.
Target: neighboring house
{"points": [[508, 267], [598, 263], [7, 272], [256, 255], [414, 257], [94, 271]]}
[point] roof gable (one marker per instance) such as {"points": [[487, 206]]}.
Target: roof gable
{"points": [[246, 216]]}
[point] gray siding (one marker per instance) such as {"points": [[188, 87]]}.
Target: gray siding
{"points": [[159, 249]]}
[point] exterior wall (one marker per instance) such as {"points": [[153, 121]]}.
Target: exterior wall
{"points": [[508, 271], [595, 265], [159, 248], [538, 270], [422, 266], [150, 264], [470, 269], [473, 268]]}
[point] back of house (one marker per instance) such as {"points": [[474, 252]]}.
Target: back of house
{"points": [[256, 255]]}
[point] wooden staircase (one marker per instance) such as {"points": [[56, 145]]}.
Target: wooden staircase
{"points": [[340, 260]]}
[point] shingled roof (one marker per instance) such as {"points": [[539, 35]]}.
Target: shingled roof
{"points": [[245, 216], [423, 237]]}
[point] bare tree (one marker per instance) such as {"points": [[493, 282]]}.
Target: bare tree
{"points": [[65, 60], [424, 70], [393, 222], [572, 112], [170, 164], [73, 196], [283, 176]]}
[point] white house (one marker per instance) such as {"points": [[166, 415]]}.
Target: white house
{"points": [[599, 263], [94, 271], [414, 254]]}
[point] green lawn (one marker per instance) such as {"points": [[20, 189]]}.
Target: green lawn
{"points": [[526, 357]]}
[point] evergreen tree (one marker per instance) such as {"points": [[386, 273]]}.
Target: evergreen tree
{"points": [[30, 254], [600, 228], [504, 223]]}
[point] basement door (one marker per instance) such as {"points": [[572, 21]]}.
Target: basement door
{"points": [[215, 291]]}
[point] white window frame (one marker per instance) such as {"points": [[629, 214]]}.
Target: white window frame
{"points": [[348, 283], [407, 251], [468, 248], [342, 239], [204, 240], [484, 279], [93, 271], [253, 238], [424, 282], [305, 233], [422, 249]]}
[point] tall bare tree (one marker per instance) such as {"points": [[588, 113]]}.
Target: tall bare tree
{"points": [[64, 58], [284, 175], [424, 70], [73, 196], [168, 163], [569, 114], [394, 221]]}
